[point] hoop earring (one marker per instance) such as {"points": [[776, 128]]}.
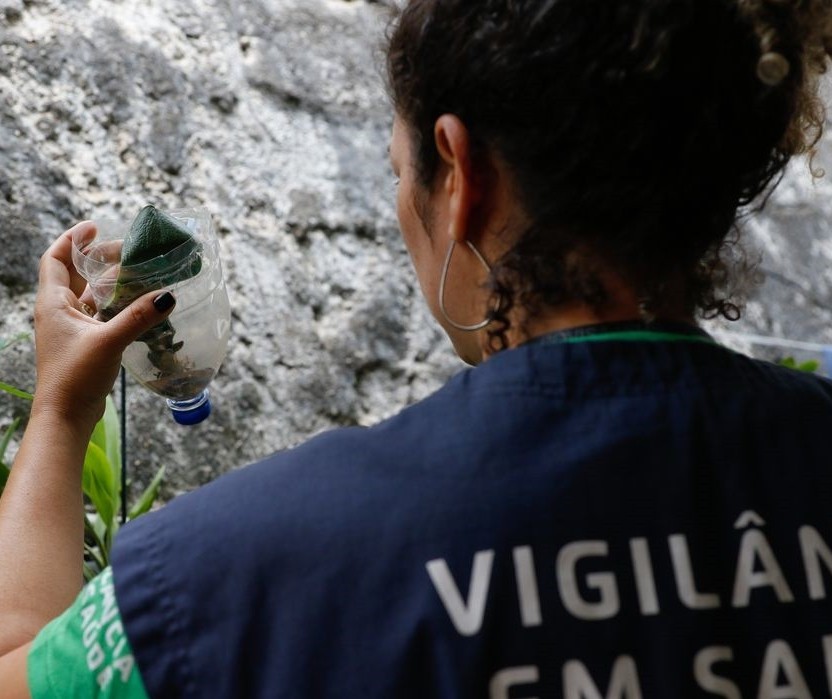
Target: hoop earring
{"points": [[446, 267]]}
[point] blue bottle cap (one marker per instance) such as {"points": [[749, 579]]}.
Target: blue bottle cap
{"points": [[191, 412]]}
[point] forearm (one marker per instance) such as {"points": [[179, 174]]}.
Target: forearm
{"points": [[41, 527], [42, 509]]}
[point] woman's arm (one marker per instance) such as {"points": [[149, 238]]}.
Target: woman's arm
{"points": [[13, 681], [41, 511], [41, 528]]}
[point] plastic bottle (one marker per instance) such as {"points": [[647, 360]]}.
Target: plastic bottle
{"points": [[178, 358]]}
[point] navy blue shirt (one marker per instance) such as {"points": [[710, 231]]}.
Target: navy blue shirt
{"points": [[620, 518]]}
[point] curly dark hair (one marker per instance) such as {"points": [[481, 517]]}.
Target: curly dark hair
{"points": [[636, 130]]}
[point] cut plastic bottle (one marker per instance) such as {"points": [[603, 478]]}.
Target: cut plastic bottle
{"points": [[177, 252]]}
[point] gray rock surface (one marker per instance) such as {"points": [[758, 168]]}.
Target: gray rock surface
{"points": [[272, 114]]}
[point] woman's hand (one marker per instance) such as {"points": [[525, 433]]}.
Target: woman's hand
{"points": [[77, 356]]}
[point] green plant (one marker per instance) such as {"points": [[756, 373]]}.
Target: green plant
{"points": [[4, 446], [102, 485], [809, 367], [101, 481], [6, 439]]}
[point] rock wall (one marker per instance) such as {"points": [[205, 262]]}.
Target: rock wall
{"points": [[272, 114]]}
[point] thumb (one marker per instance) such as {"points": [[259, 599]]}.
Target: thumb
{"points": [[140, 316]]}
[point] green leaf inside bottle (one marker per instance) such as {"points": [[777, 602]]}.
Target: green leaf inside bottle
{"points": [[153, 236], [157, 252]]}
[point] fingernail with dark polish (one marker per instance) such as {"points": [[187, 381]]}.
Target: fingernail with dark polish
{"points": [[164, 302]]}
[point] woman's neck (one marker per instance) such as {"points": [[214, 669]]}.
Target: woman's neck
{"points": [[623, 305]]}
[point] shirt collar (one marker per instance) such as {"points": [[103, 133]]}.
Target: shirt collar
{"points": [[626, 331]]}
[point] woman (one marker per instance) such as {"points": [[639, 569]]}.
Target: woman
{"points": [[609, 505]]}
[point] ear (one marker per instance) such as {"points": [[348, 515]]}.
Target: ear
{"points": [[459, 181]]}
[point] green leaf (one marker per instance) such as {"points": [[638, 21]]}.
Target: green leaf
{"points": [[148, 496], [153, 234], [4, 445], [104, 454], [7, 437], [98, 483], [90, 573], [15, 391], [107, 436], [94, 526], [9, 341], [158, 251], [93, 553], [95, 531], [809, 367]]}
